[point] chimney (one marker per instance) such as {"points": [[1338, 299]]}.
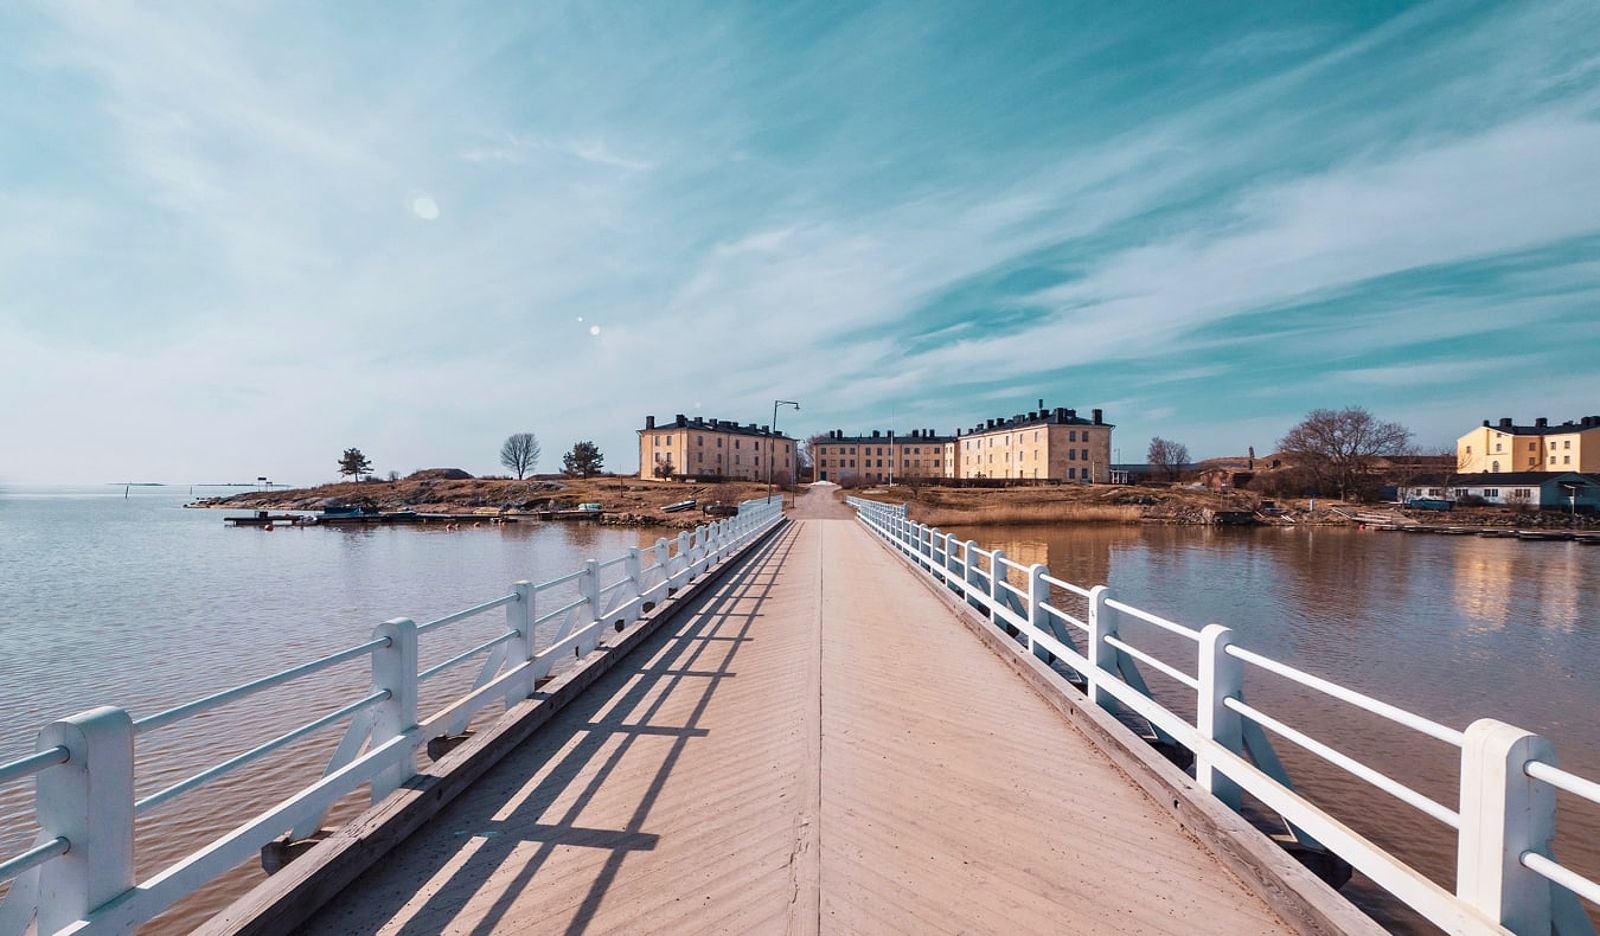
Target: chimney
{"points": [[699, 420], [1541, 422], [682, 419], [1486, 424], [1505, 422], [875, 434], [1061, 414], [649, 422], [1096, 414], [1041, 404], [1072, 414], [765, 430]]}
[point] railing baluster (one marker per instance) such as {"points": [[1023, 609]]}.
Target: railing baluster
{"points": [[1221, 678], [394, 670], [1102, 624], [89, 802], [1504, 813]]}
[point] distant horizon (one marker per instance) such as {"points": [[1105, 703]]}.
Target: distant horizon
{"points": [[244, 239]]}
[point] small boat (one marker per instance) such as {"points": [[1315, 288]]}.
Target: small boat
{"points": [[590, 507], [680, 505], [1498, 534], [1543, 535]]}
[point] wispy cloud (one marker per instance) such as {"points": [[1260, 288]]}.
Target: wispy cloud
{"points": [[211, 221]]}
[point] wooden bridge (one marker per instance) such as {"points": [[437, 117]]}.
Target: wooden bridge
{"points": [[818, 744], [837, 720]]}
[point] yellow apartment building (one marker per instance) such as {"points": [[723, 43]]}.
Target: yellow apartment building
{"points": [[708, 449], [1041, 445], [1505, 447], [882, 456], [1053, 445]]}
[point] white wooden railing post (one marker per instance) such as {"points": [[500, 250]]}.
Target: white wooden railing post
{"points": [[1504, 813], [1103, 656], [519, 620], [589, 591], [1038, 591], [634, 567], [997, 593], [683, 555], [89, 802], [1221, 678], [969, 568], [394, 670]]}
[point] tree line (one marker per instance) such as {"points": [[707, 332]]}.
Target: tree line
{"points": [[519, 454], [1332, 451]]}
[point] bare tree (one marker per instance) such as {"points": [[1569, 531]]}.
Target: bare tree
{"points": [[1169, 456], [1339, 446], [520, 453], [663, 468]]}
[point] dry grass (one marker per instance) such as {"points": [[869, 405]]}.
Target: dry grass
{"points": [[1023, 514], [1057, 504]]}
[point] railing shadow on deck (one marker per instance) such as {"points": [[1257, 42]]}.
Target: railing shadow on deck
{"points": [[670, 658]]}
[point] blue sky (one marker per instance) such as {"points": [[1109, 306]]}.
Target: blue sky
{"points": [[241, 237]]}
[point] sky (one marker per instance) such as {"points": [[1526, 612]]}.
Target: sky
{"points": [[239, 238]]}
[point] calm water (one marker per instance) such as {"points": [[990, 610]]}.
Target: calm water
{"points": [[1450, 627], [142, 604]]}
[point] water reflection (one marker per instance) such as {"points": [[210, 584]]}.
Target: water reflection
{"points": [[1451, 627]]}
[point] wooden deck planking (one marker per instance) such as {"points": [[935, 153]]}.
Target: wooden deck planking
{"points": [[859, 763]]}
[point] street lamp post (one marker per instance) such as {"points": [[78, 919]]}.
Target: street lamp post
{"points": [[772, 440]]}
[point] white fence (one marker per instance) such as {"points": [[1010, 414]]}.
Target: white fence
{"points": [[79, 875], [1507, 879]]}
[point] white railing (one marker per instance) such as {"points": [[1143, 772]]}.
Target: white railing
{"points": [[79, 875], [1507, 878]]}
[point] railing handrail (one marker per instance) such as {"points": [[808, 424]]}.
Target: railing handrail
{"points": [[384, 719], [1496, 823]]}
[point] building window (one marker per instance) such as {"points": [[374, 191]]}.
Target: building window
{"points": [[1566, 443], [1085, 454], [1491, 492], [1566, 459], [1469, 450], [1072, 474], [1495, 467], [699, 458], [735, 443], [1072, 454], [700, 441]]}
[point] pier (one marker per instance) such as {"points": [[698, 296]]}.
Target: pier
{"points": [[830, 719]]}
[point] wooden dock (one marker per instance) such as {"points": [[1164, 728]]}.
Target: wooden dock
{"points": [[821, 745]]}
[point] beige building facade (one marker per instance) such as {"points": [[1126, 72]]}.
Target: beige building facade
{"points": [[709, 449], [1506, 447], [880, 457], [1041, 445]]}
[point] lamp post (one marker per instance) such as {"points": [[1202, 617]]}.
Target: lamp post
{"points": [[772, 440]]}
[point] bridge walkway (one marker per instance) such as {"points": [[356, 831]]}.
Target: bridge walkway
{"points": [[820, 747]]}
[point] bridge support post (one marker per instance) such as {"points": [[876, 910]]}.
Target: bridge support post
{"points": [[1103, 656], [89, 802], [1504, 813], [519, 620], [394, 669], [1221, 678]]}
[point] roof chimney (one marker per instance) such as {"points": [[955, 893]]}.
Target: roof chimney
{"points": [[875, 434], [1041, 403], [682, 419], [649, 422], [1505, 422], [1541, 422], [1096, 414], [1486, 423]]}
